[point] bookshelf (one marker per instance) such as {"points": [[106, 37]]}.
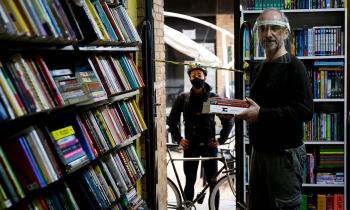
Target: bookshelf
{"points": [[69, 113], [319, 40]]}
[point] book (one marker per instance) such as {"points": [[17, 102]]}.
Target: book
{"points": [[11, 94], [113, 168], [109, 178], [7, 190], [65, 136], [22, 166], [218, 105], [13, 178]]}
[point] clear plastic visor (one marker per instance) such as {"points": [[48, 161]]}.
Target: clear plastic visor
{"points": [[273, 25]]}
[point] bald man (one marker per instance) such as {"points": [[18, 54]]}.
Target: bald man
{"points": [[281, 100]]}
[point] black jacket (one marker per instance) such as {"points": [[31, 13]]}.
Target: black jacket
{"points": [[283, 92], [199, 128]]}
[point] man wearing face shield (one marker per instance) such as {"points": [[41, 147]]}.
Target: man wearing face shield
{"points": [[199, 139], [281, 100]]}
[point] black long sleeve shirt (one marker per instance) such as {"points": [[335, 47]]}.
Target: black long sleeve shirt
{"points": [[283, 92], [199, 128]]}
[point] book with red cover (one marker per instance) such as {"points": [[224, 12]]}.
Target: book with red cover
{"points": [[21, 165], [228, 102], [218, 105]]}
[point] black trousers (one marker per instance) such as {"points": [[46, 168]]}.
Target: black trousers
{"points": [[190, 168], [276, 178]]}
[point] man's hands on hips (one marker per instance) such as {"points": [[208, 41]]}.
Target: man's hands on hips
{"points": [[184, 143], [213, 143]]}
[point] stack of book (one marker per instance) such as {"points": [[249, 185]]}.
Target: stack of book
{"points": [[91, 84], [69, 87], [218, 105], [68, 147]]}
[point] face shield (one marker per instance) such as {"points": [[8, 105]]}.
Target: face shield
{"points": [[273, 25]]}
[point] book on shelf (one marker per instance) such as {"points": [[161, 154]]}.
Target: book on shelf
{"points": [[115, 172], [280, 4], [90, 82], [67, 146], [102, 23], [38, 21], [123, 170], [111, 184], [24, 166], [69, 86], [102, 180], [95, 133], [325, 127], [328, 201], [220, 105]]}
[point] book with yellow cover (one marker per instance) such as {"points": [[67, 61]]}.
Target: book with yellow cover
{"points": [[21, 26], [98, 21]]}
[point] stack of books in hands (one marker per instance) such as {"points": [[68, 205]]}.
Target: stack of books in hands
{"points": [[218, 105]]}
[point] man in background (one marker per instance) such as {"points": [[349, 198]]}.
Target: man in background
{"points": [[199, 139]]}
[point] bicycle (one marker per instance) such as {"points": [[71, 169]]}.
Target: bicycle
{"points": [[224, 185]]}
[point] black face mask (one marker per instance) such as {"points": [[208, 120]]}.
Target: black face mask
{"points": [[197, 83]]}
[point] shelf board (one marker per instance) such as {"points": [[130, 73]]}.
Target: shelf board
{"points": [[108, 48], [329, 100], [297, 10], [324, 57], [124, 95], [323, 185], [323, 142]]}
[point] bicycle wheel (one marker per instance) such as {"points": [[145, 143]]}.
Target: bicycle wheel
{"points": [[174, 196], [226, 194]]}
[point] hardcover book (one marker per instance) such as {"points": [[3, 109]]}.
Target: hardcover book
{"points": [[217, 105]]}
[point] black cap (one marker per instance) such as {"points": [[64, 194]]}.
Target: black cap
{"points": [[190, 69]]}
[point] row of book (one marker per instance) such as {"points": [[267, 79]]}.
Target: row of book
{"points": [[324, 168], [65, 21], [29, 85], [314, 201], [328, 82], [112, 177], [37, 19], [44, 153], [294, 4], [62, 198], [108, 126], [318, 40], [307, 41], [325, 127], [117, 74], [35, 163]]}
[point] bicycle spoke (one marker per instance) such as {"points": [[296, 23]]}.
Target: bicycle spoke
{"points": [[223, 197]]}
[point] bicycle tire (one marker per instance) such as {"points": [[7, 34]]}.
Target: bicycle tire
{"points": [[227, 195], [174, 200]]}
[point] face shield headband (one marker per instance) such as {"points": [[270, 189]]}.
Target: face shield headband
{"points": [[261, 23]]}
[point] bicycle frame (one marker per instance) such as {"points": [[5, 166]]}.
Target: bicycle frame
{"points": [[202, 192]]}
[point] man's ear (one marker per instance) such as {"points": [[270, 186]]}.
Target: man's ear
{"points": [[285, 34]]}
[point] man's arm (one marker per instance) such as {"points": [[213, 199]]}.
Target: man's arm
{"points": [[173, 120], [227, 122]]}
